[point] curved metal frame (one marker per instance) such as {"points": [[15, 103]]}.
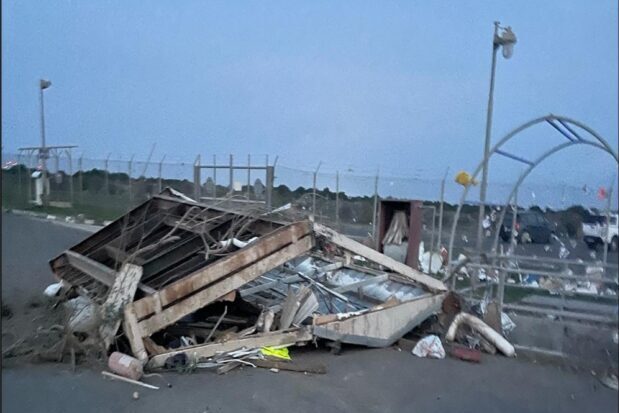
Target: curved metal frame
{"points": [[601, 144]]}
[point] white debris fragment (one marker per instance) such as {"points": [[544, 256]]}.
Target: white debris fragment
{"points": [[84, 314], [507, 325], [429, 346], [486, 222], [563, 252], [52, 290]]}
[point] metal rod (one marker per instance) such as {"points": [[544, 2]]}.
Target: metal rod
{"points": [[314, 191], [160, 174], [129, 169], [337, 200], [215, 176], [196, 179], [80, 177], [440, 212], [512, 156], [107, 174], [562, 132], [607, 227], [71, 194], [569, 128], [375, 209], [231, 189], [248, 176]]}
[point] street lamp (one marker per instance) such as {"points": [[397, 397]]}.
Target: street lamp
{"points": [[43, 151], [506, 40]]}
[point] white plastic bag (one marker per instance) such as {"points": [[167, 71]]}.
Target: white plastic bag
{"points": [[429, 346]]}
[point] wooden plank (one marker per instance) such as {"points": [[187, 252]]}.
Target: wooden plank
{"points": [[274, 338], [223, 287], [132, 331], [380, 327], [207, 275], [96, 270], [120, 294], [314, 368], [289, 309], [357, 248]]}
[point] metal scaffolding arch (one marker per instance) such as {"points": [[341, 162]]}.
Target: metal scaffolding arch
{"points": [[573, 137]]}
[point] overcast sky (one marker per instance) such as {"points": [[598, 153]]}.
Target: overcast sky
{"points": [[400, 86]]}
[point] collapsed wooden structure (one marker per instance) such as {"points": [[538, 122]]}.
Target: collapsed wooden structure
{"points": [[171, 258]]}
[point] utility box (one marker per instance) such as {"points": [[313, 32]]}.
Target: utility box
{"points": [[413, 212]]}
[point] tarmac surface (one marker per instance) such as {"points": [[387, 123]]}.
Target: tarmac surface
{"points": [[358, 380]]}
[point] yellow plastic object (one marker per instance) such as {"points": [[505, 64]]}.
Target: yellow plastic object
{"points": [[464, 179], [281, 353]]}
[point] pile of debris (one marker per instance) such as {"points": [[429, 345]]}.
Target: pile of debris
{"points": [[181, 285]]}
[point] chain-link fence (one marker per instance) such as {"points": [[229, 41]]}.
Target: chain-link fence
{"points": [[345, 199]]}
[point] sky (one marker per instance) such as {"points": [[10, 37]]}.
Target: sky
{"points": [[395, 86]]}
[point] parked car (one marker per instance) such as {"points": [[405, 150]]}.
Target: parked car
{"points": [[595, 230], [531, 226]]}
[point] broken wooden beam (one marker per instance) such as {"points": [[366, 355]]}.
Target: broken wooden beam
{"points": [[275, 338], [206, 296], [192, 283], [120, 294], [366, 252]]}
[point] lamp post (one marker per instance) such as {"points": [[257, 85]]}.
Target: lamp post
{"points": [[44, 151], [506, 40]]}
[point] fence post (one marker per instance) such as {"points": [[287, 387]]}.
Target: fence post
{"points": [[107, 174], [314, 191], [609, 196], [248, 177], [81, 177], [68, 151], [196, 179], [215, 176], [440, 213], [337, 200], [231, 188], [375, 211], [130, 170], [160, 173], [19, 167], [270, 178]]}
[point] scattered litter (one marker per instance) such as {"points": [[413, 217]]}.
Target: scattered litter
{"points": [[125, 365], [136, 395], [563, 252], [464, 353], [429, 346], [52, 290], [121, 378], [610, 381], [484, 329], [507, 325], [274, 370], [280, 353]]}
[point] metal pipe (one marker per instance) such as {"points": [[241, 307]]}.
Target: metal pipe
{"points": [[231, 187], [160, 174], [602, 144], [484, 178], [375, 210], [248, 176], [440, 212], [607, 228], [314, 190], [215, 176], [337, 200]]}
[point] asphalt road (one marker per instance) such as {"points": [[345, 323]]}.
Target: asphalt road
{"points": [[359, 380]]}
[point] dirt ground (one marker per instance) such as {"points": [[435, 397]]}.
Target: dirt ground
{"points": [[368, 380]]}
